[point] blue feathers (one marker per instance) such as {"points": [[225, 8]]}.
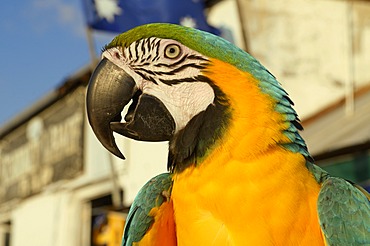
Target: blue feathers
{"points": [[270, 86], [151, 195]]}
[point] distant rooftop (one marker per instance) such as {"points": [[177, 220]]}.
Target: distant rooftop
{"points": [[81, 77], [332, 130]]}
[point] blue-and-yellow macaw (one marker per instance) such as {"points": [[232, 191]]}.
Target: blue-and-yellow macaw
{"points": [[239, 172]]}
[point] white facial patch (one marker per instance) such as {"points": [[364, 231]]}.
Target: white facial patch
{"points": [[183, 100], [116, 56]]}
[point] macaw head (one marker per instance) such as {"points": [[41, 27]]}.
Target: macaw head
{"points": [[191, 88]]}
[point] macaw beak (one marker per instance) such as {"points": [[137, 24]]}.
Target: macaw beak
{"points": [[110, 89]]}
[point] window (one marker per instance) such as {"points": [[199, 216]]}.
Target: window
{"points": [[107, 222], [5, 234], [353, 166]]}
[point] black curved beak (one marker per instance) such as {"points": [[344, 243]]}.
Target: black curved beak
{"points": [[110, 89]]}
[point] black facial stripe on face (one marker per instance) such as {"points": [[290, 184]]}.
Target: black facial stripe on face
{"points": [[148, 46], [146, 77], [172, 64], [177, 81], [189, 65], [195, 57], [136, 51], [170, 72], [156, 50], [142, 46], [129, 53]]}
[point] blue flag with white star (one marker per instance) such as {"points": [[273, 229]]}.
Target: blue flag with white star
{"points": [[122, 15]]}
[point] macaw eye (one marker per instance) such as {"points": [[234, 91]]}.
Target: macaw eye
{"points": [[172, 51]]}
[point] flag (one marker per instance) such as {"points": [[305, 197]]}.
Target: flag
{"points": [[122, 15]]}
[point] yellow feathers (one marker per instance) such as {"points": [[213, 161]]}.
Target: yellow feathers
{"points": [[253, 112], [246, 191]]}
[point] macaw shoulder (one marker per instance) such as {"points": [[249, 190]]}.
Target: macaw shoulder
{"points": [[150, 218], [344, 212], [163, 230]]}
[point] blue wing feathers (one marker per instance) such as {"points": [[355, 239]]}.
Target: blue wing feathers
{"points": [[344, 213], [151, 195]]}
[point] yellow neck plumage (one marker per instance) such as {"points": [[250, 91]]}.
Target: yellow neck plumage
{"points": [[255, 127]]}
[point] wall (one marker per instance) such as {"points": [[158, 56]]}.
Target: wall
{"points": [[317, 49], [39, 221]]}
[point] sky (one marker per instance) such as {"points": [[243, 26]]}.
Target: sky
{"points": [[42, 42]]}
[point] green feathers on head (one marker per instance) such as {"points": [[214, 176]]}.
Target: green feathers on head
{"points": [[195, 39]]}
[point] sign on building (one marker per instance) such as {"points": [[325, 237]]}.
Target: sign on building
{"points": [[46, 149]]}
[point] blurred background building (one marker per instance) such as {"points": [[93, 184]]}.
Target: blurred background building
{"points": [[59, 186]]}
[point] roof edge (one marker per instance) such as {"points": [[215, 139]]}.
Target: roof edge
{"points": [[335, 105], [81, 77]]}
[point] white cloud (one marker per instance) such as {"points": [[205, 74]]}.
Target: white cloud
{"points": [[68, 14]]}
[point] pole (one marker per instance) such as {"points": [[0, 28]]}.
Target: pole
{"points": [[349, 105], [116, 197], [91, 43], [242, 25]]}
